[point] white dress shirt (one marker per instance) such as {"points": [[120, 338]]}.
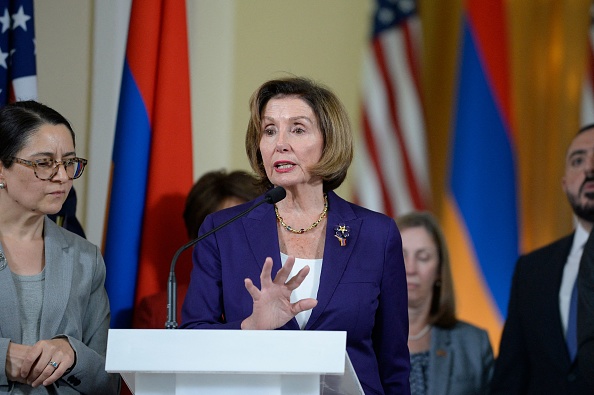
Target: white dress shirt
{"points": [[570, 272]]}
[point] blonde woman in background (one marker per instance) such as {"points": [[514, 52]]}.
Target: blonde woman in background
{"points": [[448, 356]]}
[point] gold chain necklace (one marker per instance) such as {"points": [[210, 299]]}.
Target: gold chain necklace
{"points": [[300, 231]]}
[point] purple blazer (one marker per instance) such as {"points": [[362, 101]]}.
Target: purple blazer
{"points": [[362, 286]]}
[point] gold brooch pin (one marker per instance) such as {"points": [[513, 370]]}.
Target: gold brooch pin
{"points": [[341, 232]]}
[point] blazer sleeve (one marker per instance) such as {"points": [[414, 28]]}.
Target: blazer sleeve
{"points": [[511, 366], [4, 384], [487, 363], [88, 374], [585, 316], [203, 306], [390, 332]]}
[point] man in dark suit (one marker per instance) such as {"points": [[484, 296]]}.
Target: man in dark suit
{"points": [[539, 340], [585, 326]]}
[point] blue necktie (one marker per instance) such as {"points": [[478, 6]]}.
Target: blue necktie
{"points": [[571, 335]]}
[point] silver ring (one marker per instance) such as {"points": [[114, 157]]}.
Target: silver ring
{"points": [[54, 364]]}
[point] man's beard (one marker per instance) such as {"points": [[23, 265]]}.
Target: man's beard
{"points": [[583, 211]]}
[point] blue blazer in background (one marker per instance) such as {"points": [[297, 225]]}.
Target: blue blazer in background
{"points": [[362, 285], [460, 361]]}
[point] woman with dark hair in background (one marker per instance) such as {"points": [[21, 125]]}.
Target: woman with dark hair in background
{"points": [[212, 192]]}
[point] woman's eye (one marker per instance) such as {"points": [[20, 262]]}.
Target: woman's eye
{"points": [[424, 257], [268, 132], [298, 131], [44, 163]]}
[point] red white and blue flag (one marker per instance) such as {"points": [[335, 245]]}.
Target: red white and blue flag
{"points": [[391, 163], [587, 111], [18, 76]]}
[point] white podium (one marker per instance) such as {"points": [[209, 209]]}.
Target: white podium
{"points": [[217, 362]]}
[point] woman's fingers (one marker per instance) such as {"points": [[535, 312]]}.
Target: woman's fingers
{"points": [[283, 274], [297, 279], [252, 289], [266, 275], [47, 361], [303, 305]]}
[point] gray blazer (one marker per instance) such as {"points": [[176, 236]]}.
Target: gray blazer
{"points": [[75, 306], [460, 361]]}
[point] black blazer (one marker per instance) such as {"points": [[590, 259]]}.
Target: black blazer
{"points": [[533, 356], [585, 326]]}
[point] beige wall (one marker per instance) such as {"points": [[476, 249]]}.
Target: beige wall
{"points": [[63, 36], [235, 45]]}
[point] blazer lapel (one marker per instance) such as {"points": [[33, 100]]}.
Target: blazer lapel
{"points": [[59, 261], [262, 235], [440, 362], [8, 307], [336, 256], [558, 346], [262, 238]]}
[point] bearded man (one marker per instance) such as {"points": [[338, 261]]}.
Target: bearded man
{"points": [[537, 353]]}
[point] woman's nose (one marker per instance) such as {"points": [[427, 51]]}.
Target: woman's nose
{"points": [[61, 174], [281, 142], [409, 266]]}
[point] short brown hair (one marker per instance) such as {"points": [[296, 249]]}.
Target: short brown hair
{"points": [[332, 119], [443, 307]]}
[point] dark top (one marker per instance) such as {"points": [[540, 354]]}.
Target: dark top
{"points": [[419, 365], [533, 357]]}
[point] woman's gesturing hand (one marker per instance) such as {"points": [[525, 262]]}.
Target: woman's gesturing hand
{"points": [[272, 303]]}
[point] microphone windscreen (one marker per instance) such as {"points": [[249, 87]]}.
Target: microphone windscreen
{"points": [[275, 195]]}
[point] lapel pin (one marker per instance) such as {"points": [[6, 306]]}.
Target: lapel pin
{"points": [[341, 232]]}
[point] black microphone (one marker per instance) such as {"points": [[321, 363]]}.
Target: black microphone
{"points": [[273, 196]]}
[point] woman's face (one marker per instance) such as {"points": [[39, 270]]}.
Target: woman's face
{"points": [[24, 190], [421, 259], [291, 142]]}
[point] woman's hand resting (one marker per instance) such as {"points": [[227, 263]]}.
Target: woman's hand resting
{"points": [[31, 364]]}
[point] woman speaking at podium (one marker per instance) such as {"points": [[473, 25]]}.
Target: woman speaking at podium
{"points": [[312, 261]]}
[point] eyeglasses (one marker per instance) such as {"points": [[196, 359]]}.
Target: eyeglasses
{"points": [[46, 169]]}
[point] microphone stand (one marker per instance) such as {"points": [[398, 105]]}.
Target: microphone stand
{"points": [[273, 196]]}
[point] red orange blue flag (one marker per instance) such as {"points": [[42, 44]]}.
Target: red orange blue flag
{"points": [[481, 215], [152, 157]]}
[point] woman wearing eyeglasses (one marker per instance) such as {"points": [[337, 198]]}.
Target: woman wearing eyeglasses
{"points": [[54, 311]]}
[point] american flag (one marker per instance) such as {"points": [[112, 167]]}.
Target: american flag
{"points": [[18, 79], [587, 113], [391, 158]]}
